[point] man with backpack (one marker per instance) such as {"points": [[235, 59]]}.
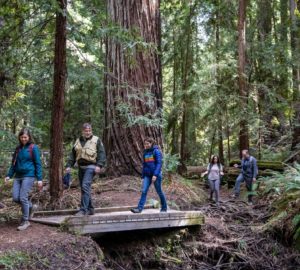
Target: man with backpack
{"points": [[248, 174], [88, 152]]}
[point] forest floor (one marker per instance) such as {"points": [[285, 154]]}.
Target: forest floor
{"points": [[233, 237]]}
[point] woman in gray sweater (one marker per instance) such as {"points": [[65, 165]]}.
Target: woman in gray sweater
{"points": [[214, 172]]}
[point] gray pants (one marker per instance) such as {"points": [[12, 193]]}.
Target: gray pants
{"points": [[214, 188], [21, 189]]}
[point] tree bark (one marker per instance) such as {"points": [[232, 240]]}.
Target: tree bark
{"points": [[60, 73], [243, 91], [295, 46], [132, 85]]}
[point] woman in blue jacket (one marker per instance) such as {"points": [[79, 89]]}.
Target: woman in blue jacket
{"points": [[26, 166], [152, 164]]}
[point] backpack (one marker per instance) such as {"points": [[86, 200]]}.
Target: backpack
{"points": [[18, 149]]}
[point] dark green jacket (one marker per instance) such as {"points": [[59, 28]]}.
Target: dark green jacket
{"points": [[100, 160]]}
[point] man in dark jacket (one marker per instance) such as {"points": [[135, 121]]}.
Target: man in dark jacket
{"points": [[88, 151], [249, 172]]}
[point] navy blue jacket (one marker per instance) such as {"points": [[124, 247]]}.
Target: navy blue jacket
{"points": [[152, 162], [27, 165], [249, 167]]}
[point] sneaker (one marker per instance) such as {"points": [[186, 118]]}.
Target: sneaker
{"points": [[163, 210], [91, 212], [136, 210], [24, 225], [234, 196], [80, 214], [218, 204], [250, 203]]}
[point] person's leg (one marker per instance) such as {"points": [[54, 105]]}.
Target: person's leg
{"points": [[16, 190], [26, 186], [249, 189], [217, 190], [237, 187], [145, 188], [80, 178], [163, 201], [211, 188], [86, 190]]}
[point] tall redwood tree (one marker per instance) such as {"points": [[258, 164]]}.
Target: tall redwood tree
{"points": [[60, 73], [133, 84], [243, 91]]}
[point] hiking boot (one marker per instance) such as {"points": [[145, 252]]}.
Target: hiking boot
{"points": [[24, 225], [80, 214], [163, 210], [218, 204], [136, 210], [91, 212]]}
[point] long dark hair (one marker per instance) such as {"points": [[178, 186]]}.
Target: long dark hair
{"points": [[211, 163], [25, 131]]}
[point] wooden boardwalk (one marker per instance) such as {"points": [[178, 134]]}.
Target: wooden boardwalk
{"points": [[117, 219]]}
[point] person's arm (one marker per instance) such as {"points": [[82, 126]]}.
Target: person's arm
{"points": [[158, 162], [254, 168], [12, 168], [221, 170], [37, 163], [101, 156], [206, 172]]}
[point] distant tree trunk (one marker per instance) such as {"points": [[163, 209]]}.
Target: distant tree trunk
{"points": [[295, 45], [243, 91], [60, 72], [188, 137], [219, 83], [174, 129], [132, 86]]}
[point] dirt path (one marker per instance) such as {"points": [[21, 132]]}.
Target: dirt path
{"points": [[233, 237]]}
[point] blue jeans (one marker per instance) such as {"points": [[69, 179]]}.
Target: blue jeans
{"points": [[214, 188], [237, 187], [20, 192], [146, 185], [85, 179]]}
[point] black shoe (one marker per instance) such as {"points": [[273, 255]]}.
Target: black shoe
{"points": [[80, 214], [91, 212], [136, 210], [163, 210]]}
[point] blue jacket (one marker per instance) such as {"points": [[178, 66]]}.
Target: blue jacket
{"points": [[152, 162], [249, 168], [27, 166]]}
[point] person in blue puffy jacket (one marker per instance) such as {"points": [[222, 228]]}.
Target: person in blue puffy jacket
{"points": [[152, 165], [25, 168]]}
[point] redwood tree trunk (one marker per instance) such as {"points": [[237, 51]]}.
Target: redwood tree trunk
{"points": [[133, 85], [295, 45], [60, 71], [243, 134]]}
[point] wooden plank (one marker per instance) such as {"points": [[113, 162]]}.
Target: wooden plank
{"points": [[109, 223], [70, 212]]}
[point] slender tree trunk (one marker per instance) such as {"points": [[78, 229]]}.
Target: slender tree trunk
{"points": [[219, 83], [132, 86], [295, 45], [60, 73], [174, 132], [243, 91]]}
